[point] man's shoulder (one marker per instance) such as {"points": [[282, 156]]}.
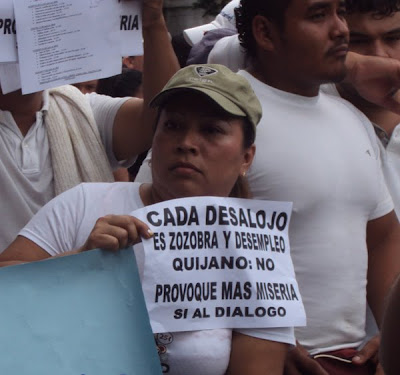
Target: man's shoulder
{"points": [[353, 115], [333, 98]]}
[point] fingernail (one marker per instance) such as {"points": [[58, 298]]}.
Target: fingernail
{"points": [[150, 232], [356, 358]]}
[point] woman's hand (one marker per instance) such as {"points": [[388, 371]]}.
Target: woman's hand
{"points": [[152, 12], [115, 232]]}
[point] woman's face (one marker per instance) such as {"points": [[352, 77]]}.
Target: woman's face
{"points": [[197, 149]]}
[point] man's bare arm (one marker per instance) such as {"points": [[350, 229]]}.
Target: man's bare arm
{"points": [[376, 79], [383, 240], [389, 356]]}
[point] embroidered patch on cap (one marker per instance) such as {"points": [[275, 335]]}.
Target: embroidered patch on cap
{"points": [[203, 71]]}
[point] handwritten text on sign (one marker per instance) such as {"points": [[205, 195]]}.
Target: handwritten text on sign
{"points": [[219, 263]]}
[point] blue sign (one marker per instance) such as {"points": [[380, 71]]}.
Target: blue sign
{"points": [[81, 314]]}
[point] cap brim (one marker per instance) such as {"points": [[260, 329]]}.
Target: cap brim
{"points": [[195, 34], [220, 100]]}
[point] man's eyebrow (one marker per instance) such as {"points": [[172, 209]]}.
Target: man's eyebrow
{"points": [[323, 5], [358, 34], [394, 31], [318, 6]]}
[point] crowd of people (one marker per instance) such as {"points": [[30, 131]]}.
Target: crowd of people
{"points": [[307, 111]]}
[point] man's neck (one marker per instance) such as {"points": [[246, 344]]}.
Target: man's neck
{"points": [[281, 81], [385, 119], [22, 107], [382, 117]]}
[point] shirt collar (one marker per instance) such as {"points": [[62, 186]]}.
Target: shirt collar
{"points": [[6, 117], [45, 106], [382, 135]]}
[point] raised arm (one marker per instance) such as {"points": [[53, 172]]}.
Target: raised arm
{"points": [[133, 124], [376, 79]]}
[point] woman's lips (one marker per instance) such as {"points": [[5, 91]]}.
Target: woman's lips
{"points": [[184, 168]]}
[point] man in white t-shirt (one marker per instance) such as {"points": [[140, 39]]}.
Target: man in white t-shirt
{"points": [[374, 31], [320, 152], [39, 159]]}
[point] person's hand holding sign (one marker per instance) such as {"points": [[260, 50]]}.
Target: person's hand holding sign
{"points": [[115, 232], [151, 12]]}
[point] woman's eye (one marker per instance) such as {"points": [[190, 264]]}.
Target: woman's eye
{"points": [[213, 130], [393, 38], [317, 16], [170, 125]]}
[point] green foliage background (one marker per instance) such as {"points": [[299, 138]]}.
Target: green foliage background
{"points": [[211, 7]]}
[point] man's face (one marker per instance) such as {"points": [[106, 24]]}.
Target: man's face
{"points": [[87, 87], [314, 39], [375, 36]]}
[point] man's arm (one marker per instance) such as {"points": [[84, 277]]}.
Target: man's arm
{"points": [[390, 333], [132, 132], [383, 240], [376, 79], [383, 236]]}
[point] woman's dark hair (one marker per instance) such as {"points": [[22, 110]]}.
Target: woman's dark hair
{"points": [[274, 10], [249, 135], [241, 189], [380, 8]]}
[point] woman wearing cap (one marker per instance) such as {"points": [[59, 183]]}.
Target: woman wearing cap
{"points": [[203, 145]]}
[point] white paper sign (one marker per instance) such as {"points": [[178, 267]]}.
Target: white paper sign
{"points": [[8, 40], [66, 41], [219, 263], [130, 26], [9, 78]]}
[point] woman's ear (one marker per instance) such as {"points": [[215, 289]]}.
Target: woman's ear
{"points": [[248, 159], [263, 33]]}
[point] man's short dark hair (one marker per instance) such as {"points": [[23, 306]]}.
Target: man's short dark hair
{"points": [[379, 8], [274, 10]]}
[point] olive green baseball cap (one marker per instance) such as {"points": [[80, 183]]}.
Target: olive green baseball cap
{"points": [[228, 90]]}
